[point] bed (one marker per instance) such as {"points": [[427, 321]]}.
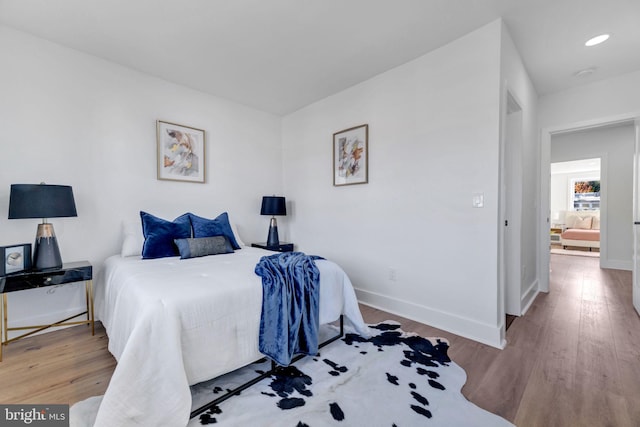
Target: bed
{"points": [[175, 322]]}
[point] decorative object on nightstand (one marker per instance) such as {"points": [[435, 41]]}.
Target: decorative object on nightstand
{"points": [[16, 258], [280, 247], [43, 201], [273, 205]]}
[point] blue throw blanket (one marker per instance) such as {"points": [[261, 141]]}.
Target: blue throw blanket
{"points": [[290, 315]]}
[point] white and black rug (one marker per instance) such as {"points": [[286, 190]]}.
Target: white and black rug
{"points": [[391, 379]]}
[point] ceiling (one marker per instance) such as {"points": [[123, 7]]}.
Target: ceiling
{"points": [[575, 166], [281, 55]]}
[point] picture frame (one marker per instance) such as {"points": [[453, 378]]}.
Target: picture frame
{"points": [[351, 156], [15, 258], [181, 152]]}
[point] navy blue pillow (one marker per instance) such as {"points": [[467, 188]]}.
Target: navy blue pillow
{"points": [[203, 227], [159, 235]]}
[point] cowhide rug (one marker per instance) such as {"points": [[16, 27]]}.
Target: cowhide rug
{"points": [[391, 379]]}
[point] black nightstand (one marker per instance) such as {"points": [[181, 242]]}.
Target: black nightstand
{"points": [[282, 247], [81, 271]]}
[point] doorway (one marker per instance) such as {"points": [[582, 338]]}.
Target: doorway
{"points": [[617, 176], [510, 226], [575, 205]]}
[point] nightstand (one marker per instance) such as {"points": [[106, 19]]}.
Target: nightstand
{"points": [[81, 271], [555, 235], [282, 247]]}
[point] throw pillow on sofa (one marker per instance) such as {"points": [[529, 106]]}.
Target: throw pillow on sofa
{"points": [[584, 223]]}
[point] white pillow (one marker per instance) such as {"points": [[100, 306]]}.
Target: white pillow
{"points": [[236, 235], [595, 223], [133, 238], [583, 223], [570, 220]]}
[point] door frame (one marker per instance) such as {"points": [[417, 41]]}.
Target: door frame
{"points": [[635, 284], [508, 199], [511, 202], [545, 177]]}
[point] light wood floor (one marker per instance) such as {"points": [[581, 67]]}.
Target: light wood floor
{"points": [[572, 360]]}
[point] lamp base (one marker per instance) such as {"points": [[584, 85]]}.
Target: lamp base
{"points": [[46, 253], [272, 239]]}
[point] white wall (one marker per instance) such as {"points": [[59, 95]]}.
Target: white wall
{"points": [[607, 98], [615, 146], [433, 141], [70, 118]]}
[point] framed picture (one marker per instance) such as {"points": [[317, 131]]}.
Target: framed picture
{"points": [[351, 156], [180, 152], [15, 258]]}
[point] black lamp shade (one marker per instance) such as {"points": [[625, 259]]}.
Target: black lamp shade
{"points": [[41, 201], [273, 205]]}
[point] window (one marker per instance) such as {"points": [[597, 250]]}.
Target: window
{"points": [[585, 194]]}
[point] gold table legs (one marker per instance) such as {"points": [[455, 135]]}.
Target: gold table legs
{"points": [[37, 328]]}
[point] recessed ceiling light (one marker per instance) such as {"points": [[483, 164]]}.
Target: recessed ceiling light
{"points": [[597, 40]]}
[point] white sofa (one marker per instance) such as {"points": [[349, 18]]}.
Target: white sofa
{"points": [[582, 229]]}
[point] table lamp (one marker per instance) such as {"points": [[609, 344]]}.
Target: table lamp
{"points": [[273, 205], [43, 201]]}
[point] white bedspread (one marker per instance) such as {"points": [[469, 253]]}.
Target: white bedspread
{"points": [[173, 323]]}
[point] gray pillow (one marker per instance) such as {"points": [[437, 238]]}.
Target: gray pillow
{"points": [[203, 246]]}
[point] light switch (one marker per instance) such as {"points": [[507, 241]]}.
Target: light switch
{"points": [[478, 200]]}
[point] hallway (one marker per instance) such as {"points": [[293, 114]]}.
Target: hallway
{"points": [[572, 360], [588, 372]]}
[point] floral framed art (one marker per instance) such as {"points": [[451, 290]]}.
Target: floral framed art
{"points": [[351, 156], [16, 258], [181, 152]]}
